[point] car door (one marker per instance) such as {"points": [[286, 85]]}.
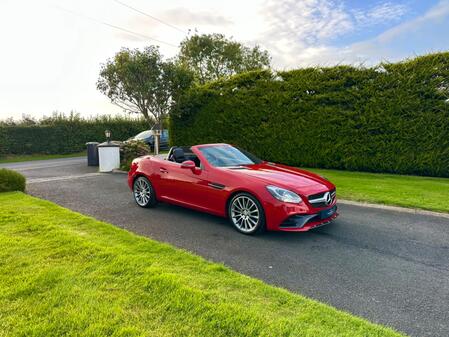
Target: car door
{"points": [[184, 185]]}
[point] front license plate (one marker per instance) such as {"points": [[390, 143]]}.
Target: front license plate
{"points": [[328, 212]]}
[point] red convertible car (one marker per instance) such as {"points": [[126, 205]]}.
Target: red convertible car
{"points": [[229, 182]]}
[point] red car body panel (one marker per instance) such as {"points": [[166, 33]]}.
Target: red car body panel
{"points": [[210, 188]]}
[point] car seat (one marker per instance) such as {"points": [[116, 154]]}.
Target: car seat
{"points": [[178, 155]]}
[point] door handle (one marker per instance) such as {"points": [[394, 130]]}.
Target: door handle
{"points": [[163, 170]]}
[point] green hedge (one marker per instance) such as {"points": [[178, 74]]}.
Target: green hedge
{"points": [[11, 181], [61, 135], [2, 141], [389, 118]]}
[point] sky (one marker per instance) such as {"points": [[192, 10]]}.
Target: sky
{"points": [[51, 50]]}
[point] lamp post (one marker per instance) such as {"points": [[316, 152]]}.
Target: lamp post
{"points": [[108, 133]]}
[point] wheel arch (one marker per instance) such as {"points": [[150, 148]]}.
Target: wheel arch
{"points": [[141, 174], [153, 195], [241, 190], [137, 175]]}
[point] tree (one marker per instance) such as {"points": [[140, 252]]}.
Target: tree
{"points": [[213, 56], [142, 82]]}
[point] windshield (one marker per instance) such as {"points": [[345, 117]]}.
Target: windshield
{"points": [[225, 155], [144, 134]]}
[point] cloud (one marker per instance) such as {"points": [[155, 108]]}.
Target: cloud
{"points": [[381, 13], [298, 31], [185, 17], [308, 21], [395, 43], [317, 21], [303, 34], [438, 12], [179, 17]]}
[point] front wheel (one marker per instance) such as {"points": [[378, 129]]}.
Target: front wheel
{"points": [[246, 214], [143, 192]]}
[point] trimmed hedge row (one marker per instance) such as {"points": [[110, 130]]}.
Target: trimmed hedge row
{"points": [[390, 118], [65, 135]]}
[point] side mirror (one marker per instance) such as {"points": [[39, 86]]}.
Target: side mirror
{"points": [[188, 164]]}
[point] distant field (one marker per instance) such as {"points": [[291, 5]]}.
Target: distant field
{"points": [[400, 190]]}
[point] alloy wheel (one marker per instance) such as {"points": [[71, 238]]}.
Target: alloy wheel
{"points": [[245, 213], [142, 191]]}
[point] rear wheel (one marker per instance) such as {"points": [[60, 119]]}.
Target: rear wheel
{"points": [[143, 192], [246, 214]]}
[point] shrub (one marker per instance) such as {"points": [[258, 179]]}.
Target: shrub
{"points": [[130, 150], [64, 134], [390, 118], [11, 181]]}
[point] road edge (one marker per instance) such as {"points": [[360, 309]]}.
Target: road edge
{"points": [[393, 208]]}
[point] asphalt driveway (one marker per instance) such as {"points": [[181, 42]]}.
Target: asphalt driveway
{"points": [[389, 267]]}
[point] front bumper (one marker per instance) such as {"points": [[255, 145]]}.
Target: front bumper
{"points": [[297, 218], [305, 222]]}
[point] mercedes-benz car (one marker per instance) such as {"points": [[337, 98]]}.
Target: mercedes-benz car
{"points": [[148, 138], [227, 181]]}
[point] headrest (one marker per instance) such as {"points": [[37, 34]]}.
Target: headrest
{"points": [[178, 155]]}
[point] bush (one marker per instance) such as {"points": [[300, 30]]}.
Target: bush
{"points": [[130, 150], [11, 181], [64, 134], [390, 118]]}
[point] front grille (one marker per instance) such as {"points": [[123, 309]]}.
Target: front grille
{"points": [[299, 221], [318, 200]]}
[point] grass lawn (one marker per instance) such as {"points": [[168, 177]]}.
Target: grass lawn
{"points": [[62, 273], [400, 190], [27, 157]]}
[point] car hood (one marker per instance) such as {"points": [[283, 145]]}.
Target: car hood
{"points": [[292, 178]]}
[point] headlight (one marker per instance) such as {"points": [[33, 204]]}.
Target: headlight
{"points": [[284, 195]]}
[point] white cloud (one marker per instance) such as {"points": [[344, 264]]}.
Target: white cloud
{"points": [[186, 17], [380, 14], [301, 32], [386, 46], [309, 21], [183, 18], [436, 13], [306, 44]]}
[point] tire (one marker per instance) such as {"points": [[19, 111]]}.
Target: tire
{"points": [[143, 192], [246, 214]]}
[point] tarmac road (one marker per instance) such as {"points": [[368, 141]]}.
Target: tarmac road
{"points": [[389, 267]]}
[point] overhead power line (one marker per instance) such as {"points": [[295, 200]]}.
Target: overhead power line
{"points": [[150, 16], [115, 27]]}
